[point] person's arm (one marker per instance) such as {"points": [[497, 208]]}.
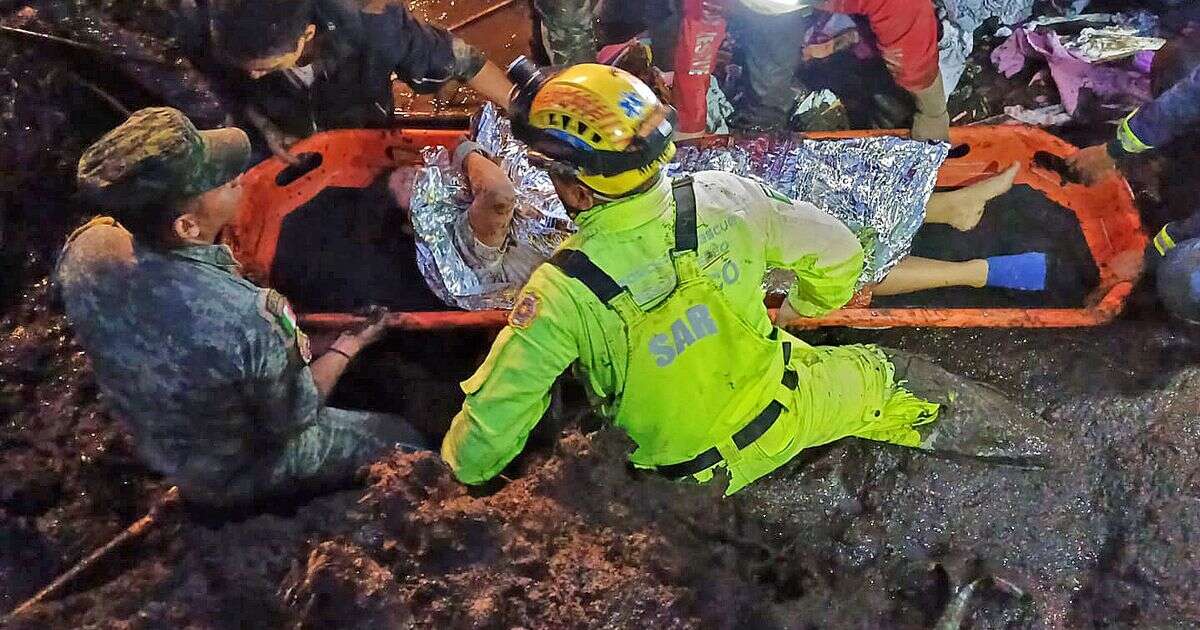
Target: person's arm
{"points": [[907, 34], [1162, 120], [278, 142], [279, 382], [426, 57], [493, 196], [824, 254], [481, 234], [493, 83], [510, 392], [327, 369], [1157, 123], [1171, 235]]}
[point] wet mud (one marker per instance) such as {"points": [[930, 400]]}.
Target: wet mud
{"points": [[855, 534], [850, 535]]}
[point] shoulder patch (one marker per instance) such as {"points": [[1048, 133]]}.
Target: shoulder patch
{"points": [[775, 194], [275, 308], [524, 311], [303, 345]]}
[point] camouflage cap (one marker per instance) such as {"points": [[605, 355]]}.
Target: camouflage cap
{"points": [[159, 156]]}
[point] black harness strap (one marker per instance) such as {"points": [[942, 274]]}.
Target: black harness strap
{"points": [[576, 264], [744, 437], [686, 239]]}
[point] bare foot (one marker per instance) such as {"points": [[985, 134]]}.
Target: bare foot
{"points": [[970, 202]]}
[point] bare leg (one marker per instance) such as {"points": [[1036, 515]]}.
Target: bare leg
{"points": [[917, 274], [963, 208]]}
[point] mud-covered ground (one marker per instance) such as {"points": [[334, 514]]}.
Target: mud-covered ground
{"points": [[852, 535]]}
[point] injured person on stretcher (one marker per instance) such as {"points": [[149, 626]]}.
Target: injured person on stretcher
{"points": [[488, 218]]}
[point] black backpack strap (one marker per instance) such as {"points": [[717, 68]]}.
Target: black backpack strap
{"points": [[576, 264], [685, 215]]}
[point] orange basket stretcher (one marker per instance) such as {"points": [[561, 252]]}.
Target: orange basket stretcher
{"points": [[356, 158]]}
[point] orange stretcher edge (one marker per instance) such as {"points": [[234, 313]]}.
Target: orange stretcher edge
{"points": [[355, 158]]}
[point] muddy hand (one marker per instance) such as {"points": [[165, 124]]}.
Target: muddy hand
{"points": [[279, 144], [786, 315], [1127, 265], [494, 200], [365, 333], [1092, 164]]}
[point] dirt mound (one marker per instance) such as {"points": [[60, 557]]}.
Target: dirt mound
{"points": [[577, 542], [854, 534]]}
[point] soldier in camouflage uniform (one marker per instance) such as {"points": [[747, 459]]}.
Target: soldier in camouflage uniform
{"points": [[210, 371], [572, 31]]}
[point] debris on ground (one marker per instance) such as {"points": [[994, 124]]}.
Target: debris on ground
{"points": [[854, 534], [858, 534]]}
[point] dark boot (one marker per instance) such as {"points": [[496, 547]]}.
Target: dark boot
{"points": [[975, 419]]}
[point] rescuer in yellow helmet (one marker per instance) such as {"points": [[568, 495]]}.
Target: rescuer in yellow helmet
{"points": [[657, 300]]}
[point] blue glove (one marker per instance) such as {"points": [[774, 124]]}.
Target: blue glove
{"points": [[1024, 272]]}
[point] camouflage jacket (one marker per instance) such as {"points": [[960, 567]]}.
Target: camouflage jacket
{"points": [[208, 369]]}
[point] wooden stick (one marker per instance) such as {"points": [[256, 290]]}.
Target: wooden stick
{"points": [[136, 530], [99, 93], [55, 39]]}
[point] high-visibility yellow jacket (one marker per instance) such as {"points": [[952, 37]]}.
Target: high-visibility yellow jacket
{"points": [[681, 352]]}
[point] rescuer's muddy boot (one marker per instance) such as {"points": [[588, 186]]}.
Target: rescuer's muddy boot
{"points": [[975, 419]]}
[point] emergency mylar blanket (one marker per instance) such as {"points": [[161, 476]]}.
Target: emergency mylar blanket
{"points": [[877, 186]]}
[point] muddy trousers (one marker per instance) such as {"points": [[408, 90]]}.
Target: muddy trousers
{"points": [[325, 456], [841, 391], [895, 397], [772, 52], [573, 31]]}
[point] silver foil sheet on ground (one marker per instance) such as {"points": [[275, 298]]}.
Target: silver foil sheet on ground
{"points": [[877, 186]]}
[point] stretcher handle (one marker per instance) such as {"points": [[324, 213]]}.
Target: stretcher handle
{"points": [[1056, 164], [306, 163]]}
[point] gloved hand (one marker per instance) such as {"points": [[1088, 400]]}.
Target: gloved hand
{"points": [[931, 120]]}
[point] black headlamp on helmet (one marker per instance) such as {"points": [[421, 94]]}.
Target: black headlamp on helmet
{"points": [[528, 80]]}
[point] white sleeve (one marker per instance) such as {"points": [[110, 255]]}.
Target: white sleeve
{"points": [[825, 255]]}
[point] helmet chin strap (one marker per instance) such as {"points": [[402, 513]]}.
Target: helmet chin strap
{"points": [[647, 185]]}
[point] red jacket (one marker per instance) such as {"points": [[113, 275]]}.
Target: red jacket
{"points": [[906, 32]]}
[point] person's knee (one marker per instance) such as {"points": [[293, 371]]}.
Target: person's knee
{"points": [[1178, 280]]}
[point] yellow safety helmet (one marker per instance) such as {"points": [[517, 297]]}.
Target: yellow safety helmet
{"points": [[602, 124]]}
